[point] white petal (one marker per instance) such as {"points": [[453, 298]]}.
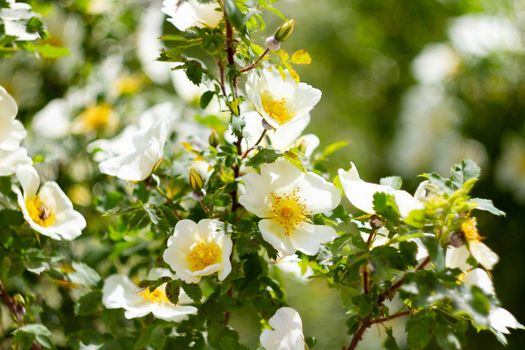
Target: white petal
{"points": [[287, 333], [173, 313], [227, 247], [54, 120], [308, 238], [118, 291], [29, 179], [406, 203], [479, 277], [275, 234], [11, 160], [254, 193], [456, 258], [286, 135], [500, 319], [318, 194], [483, 254]]}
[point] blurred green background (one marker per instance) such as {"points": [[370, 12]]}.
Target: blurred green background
{"points": [[413, 85]]}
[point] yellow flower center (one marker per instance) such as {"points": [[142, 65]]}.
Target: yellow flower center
{"points": [[276, 109], [203, 255], [288, 210], [128, 84], [470, 230], [41, 214], [96, 118], [157, 296]]}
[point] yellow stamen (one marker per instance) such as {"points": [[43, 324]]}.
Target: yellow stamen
{"points": [[276, 109], [39, 212], [96, 117], [203, 255], [128, 84], [288, 210], [157, 296], [470, 230]]}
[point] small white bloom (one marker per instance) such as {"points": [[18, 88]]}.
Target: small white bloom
{"points": [[435, 63], [11, 160], [46, 208], [199, 249], [54, 120], [191, 13], [286, 333], [137, 162], [283, 138], [457, 257], [15, 19], [11, 130], [361, 193], [119, 292], [500, 320], [285, 199], [280, 101]]}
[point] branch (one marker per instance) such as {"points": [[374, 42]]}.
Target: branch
{"points": [[256, 144], [254, 64]]}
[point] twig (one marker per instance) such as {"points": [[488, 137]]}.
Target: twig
{"points": [[254, 64], [255, 145]]}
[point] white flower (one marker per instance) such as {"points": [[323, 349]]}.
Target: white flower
{"points": [[286, 333], [46, 208], [280, 101], [119, 292], [435, 63], [500, 320], [480, 35], [138, 161], [11, 130], [285, 199], [361, 193], [457, 257], [283, 138], [199, 249], [11, 160], [191, 13], [15, 19], [53, 121]]}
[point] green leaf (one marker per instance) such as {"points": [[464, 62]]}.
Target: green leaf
{"points": [[418, 330], [234, 15], [390, 342], [487, 205], [172, 291], [263, 156], [193, 291], [10, 217], [154, 336], [84, 275], [194, 71], [206, 98], [464, 171], [385, 205], [88, 303], [26, 335]]}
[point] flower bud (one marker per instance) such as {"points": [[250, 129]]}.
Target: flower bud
{"points": [[284, 31], [272, 43], [196, 181], [376, 222], [214, 138]]}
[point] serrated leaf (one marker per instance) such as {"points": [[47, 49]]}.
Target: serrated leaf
{"points": [[235, 16], [418, 330], [88, 303], [263, 156], [464, 171], [33, 332], [83, 275], [194, 72], [193, 291], [390, 342], [487, 205], [301, 57], [385, 205], [172, 291], [206, 98]]}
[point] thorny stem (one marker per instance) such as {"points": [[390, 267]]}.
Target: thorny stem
{"points": [[254, 64], [17, 311], [365, 269], [388, 294]]}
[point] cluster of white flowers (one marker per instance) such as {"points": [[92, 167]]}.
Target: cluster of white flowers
{"points": [[46, 208]]}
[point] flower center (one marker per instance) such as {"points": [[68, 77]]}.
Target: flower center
{"points": [[203, 255], [276, 109], [41, 214], [288, 210], [128, 84], [470, 230], [157, 296], [96, 118]]}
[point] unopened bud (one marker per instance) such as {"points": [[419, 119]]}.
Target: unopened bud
{"points": [[376, 222], [456, 239], [214, 138], [196, 181], [272, 43], [266, 125], [284, 31]]}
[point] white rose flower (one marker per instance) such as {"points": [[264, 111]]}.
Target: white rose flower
{"points": [[280, 101], [457, 257], [285, 199], [191, 13], [199, 249], [137, 162], [286, 333], [46, 208], [361, 193], [11, 160], [500, 320], [119, 292], [11, 130]]}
